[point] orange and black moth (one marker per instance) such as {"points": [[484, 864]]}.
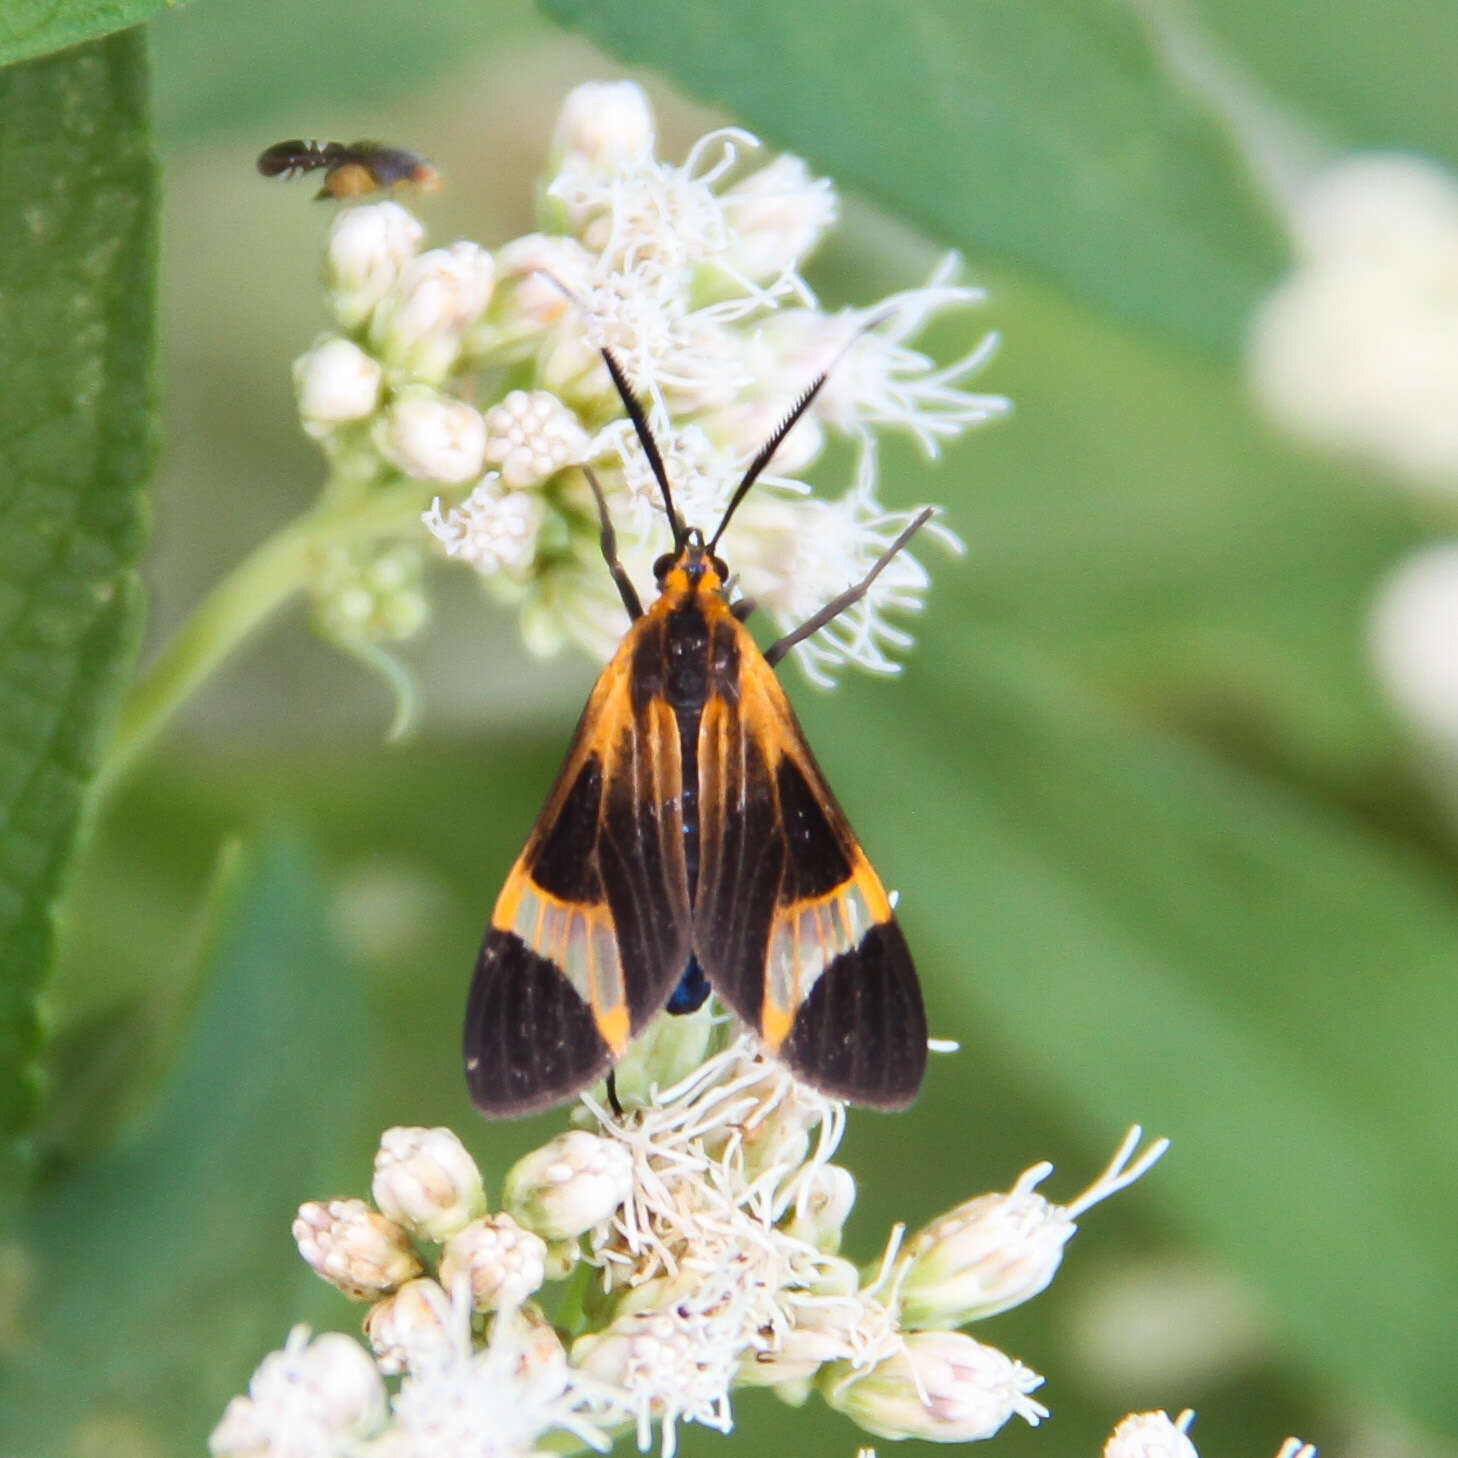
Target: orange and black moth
{"points": [[691, 844]]}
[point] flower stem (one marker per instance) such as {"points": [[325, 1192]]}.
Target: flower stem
{"points": [[240, 604]]}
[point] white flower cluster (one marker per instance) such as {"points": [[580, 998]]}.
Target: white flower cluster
{"points": [[1157, 1435], [700, 1232], [475, 378]]}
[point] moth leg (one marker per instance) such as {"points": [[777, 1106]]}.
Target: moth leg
{"points": [[743, 608], [626, 590], [612, 1092], [837, 605]]}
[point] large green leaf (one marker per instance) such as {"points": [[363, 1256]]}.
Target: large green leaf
{"points": [[32, 28], [1373, 73], [162, 1273], [1038, 130], [77, 189], [1150, 936]]}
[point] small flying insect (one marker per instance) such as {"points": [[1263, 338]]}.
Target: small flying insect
{"points": [[691, 844], [350, 170]]}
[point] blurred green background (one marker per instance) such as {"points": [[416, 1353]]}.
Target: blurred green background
{"points": [[1163, 856]]}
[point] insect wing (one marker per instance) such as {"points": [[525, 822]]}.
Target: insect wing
{"points": [[791, 923], [592, 930]]}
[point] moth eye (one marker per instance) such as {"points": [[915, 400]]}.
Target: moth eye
{"points": [[721, 567], [661, 566]]}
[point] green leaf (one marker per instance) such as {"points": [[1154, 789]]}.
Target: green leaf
{"points": [[1379, 76], [1033, 129], [77, 188], [34, 28], [161, 1274], [1151, 936]]}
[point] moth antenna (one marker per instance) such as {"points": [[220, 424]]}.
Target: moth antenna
{"points": [[639, 417], [767, 450], [762, 456]]}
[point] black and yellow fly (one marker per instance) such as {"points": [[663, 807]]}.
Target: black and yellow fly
{"points": [[351, 169]]}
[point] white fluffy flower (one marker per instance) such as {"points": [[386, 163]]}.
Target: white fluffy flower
{"points": [[309, 1400], [492, 529], [432, 437], [1357, 350], [368, 246], [779, 212], [795, 556], [335, 382]]}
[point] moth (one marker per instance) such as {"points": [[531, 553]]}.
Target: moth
{"points": [[690, 844], [351, 169]]}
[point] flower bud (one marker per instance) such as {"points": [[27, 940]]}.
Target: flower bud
{"points": [[368, 246], [822, 1206], [425, 1179], [359, 1251], [604, 126], [1152, 1435], [412, 1328], [432, 437], [533, 436], [779, 213], [986, 1255], [569, 1185], [371, 594], [998, 1251], [418, 326], [504, 1263], [799, 1353], [336, 382], [306, 1398], [942, 1386]]}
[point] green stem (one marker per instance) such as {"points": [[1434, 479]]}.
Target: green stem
{"points": [[239, 605]]}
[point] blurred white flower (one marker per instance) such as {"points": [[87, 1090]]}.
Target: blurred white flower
{"points": [[432, 437], [1357, 350], [604, 125], [368, 247], [1152, 1435], [1414, 642], [336, 382], [419, 325], [779, 212], [312, 1399]]}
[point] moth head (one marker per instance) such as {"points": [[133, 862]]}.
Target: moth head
{"points": [[692, 568]]}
